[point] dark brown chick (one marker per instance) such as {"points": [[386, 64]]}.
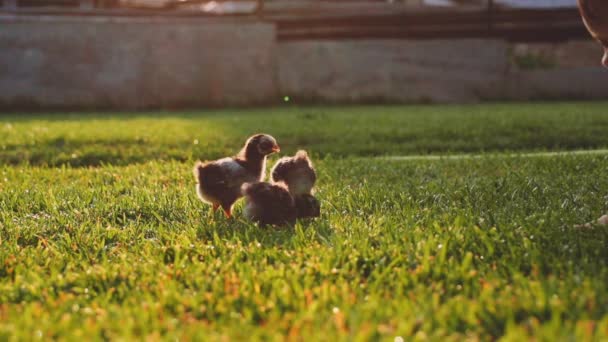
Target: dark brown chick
{"points": [[219, 182], [269, 204], [299, 175], [307, 206]]}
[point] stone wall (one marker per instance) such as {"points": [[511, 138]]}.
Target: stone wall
{"points": [[391, 70], [464, 70], [137, 63]]}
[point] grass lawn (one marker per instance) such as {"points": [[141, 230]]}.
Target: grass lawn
{"points": [[101, 233], [119, 139]]}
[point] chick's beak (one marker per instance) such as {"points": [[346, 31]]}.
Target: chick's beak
{"points": [[276, 148]]}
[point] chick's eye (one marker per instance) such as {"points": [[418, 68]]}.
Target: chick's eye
{"points": [[266, 145]]}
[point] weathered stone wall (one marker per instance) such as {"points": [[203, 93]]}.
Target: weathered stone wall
{"points": [[437, 71], [135, 63], [392, 70]]}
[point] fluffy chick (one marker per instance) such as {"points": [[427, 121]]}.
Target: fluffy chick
{"points": [[219, 182], [300, 176], [307, 205], [269, 204], [297, 172]]}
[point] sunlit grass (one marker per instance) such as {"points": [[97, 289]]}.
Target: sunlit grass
{"points": [[120, 139], [438, 249]]}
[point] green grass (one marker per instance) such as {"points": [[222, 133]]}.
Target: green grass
{"points": [[438, 249], [120, 139]]}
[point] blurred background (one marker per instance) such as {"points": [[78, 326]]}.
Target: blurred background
{"points": [[172, 54]]}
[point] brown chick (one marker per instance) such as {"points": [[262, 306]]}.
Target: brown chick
{"points": [[299, 175], [297, 172], [307, 205], [219, 182], [269, 204]]}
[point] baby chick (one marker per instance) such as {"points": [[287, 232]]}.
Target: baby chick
{"points": [[297, 172], [299, 175], [307, 205], [219, 182], [269, 204]]}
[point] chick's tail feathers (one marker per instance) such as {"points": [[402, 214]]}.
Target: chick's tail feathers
{"points": [[208, 174], [198, 170]]}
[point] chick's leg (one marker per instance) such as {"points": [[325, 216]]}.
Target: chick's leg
{"points": [[214, 209], [227, 212]]}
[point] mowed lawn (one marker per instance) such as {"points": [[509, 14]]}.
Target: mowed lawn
{"points": [[102, 236]]}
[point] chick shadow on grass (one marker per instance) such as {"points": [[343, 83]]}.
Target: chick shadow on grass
{"points": [[217, 228]]}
